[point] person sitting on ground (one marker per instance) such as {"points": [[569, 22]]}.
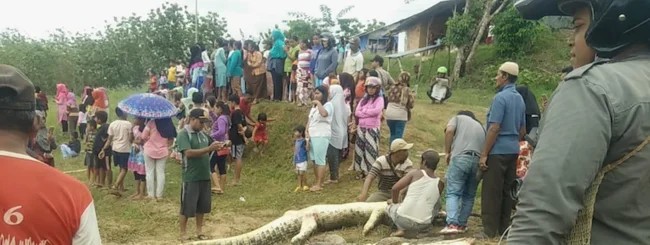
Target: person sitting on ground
{"points": [[73, 147], [421, 203], [440, 90], [390, 169]]}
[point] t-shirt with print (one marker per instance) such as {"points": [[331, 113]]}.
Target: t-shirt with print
{"points": [[236, 119], [194, 168], [41, 205], [100, 139], [387, 178], [90, 139], [121, 132]]}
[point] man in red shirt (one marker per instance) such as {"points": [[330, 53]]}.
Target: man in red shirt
{"points": [[38, 203]]}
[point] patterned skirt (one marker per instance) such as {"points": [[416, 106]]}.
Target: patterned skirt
{"points": [[136, 161], [366, 149]]}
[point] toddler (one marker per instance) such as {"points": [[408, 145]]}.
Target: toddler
{"points": [[260, 136], [73, 147], [300, 157]]}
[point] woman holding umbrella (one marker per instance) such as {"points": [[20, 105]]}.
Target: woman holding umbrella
{"points": [[157, 136]]}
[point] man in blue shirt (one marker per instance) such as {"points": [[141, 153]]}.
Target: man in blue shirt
{"points": [[506, 127]]}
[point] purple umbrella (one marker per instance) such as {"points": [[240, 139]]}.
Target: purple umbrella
{"points": [[148, 106]]}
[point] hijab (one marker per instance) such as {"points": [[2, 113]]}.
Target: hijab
{"points": [[532, 108], [61, 93], [87, 98], [71, 99], [100, 99], [341, 114], [166, 128]]}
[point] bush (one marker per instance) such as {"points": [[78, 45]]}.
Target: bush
{"points": [[515, 36]]}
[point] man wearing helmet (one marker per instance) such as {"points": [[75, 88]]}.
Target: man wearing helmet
{"points": [[439, 91], [595, 125]]}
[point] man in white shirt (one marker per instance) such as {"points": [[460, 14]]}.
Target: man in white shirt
{"points": [[354, 59]]}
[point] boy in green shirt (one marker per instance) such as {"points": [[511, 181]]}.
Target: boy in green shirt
{"points": [[195, 148]]}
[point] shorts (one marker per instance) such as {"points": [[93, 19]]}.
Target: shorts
{"points": [[121, 159], [318, 150], [301, 167], [139, 177], [100, 163], [219, 162], [196, 198], [237, 151], [89, 160]]}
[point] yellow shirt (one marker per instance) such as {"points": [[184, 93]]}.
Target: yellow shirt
{"points": [[171, 74]]}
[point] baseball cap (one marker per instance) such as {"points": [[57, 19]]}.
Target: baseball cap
{"points": [[15, 80], [510, 67], [198, 114], [399, 144]]}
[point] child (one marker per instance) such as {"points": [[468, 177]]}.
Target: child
{"points": [[236, 134], [300, 157], [136, 160], [260, 137], [162, 81], [360, 88], [119, 141], [82, 122], [89, 160], [73, 147], [101, 160]]}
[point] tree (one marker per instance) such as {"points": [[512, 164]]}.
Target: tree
{"points": [[304, 26], [374, 25], [514, 35], [466, 31]]}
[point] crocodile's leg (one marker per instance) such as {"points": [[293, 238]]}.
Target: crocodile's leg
{"points": [[307, 228], [375, 217]]}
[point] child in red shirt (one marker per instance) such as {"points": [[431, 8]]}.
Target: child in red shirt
{"points": [[260, 136]]}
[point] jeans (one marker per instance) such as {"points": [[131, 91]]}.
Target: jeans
{"points": [[67, 152], [155, 172], [461, 188], [195, 73], [396, 128]]}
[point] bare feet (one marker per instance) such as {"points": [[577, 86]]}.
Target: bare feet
{"points": [[328, 182], [316, 188], [398, 233]]}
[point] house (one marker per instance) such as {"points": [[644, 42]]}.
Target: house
{"points": [[423, 29], [375, 38]]}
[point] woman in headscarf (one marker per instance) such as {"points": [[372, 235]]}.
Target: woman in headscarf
{"points": [[73, 112], [100, 100], [318, 133], [61, 100], [158, 136], [339, 139], [326, 59], [347, 82], [532, 108], [277, 55], [368, 114], [87, 97], [400, 103], [221, 70], [196, 64]]}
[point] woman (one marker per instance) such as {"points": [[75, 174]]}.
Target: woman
{"points": [[220, 116], [87, 97], [368, 114], [158, 136], [303, 90], [235, 68], [73, 112], [318, 133], [257, 83], [532, 108], [277, 55], [196, 64], [61, 100], [220, 70], [187, 101], [339, 139], [100, 100], [326, 59], [400, 103]]}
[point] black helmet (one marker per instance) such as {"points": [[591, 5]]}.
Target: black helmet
{"points": [[614, 25]]}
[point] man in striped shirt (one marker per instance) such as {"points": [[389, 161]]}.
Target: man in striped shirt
{"points": [[389, 169], [38, 203]]}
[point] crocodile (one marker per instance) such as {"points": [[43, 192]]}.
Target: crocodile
{"points": [[305, 222]]}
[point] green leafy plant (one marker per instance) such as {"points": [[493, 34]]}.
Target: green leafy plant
{"points": [[515, 36]]}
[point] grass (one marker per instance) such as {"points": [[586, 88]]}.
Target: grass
{"points": [[268, 180]]}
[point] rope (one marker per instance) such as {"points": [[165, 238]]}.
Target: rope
{"points": [[581, 231]]}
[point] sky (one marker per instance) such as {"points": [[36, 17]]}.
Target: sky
{"points": [[39, 18]]}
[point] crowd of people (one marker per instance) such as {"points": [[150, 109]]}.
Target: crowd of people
{"points": [[570, 182]]}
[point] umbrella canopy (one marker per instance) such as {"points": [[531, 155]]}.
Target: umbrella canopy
{"points": [[148, 106]]}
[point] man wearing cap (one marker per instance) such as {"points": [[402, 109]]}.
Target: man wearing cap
{"points": [[56, 209], [354, 59], [506, 127], [592, 146], [389, 169], [195, 148]]}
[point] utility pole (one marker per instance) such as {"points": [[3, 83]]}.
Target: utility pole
{"points": [[196, 20]]}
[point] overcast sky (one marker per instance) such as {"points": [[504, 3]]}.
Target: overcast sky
{"points": [[39, 18]]}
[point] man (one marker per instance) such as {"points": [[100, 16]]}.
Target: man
{"points": [[389, 169], [120, 136], [38, 203], [506, 127], [387, 81], [354, 59], [292, 49], [595, 118], [464, 137], [195, 148]]}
